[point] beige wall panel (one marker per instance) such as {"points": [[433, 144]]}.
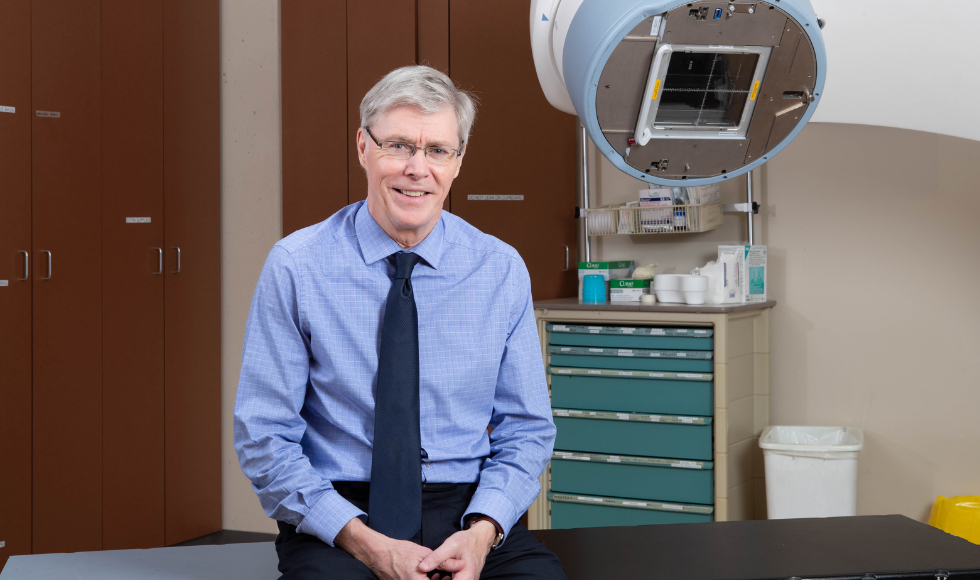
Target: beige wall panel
{"points": [[760, 373], [739, 377], [740, 339], [721, 474], [741, 502], [762, 330], [251, 218], [761, 512], [761, 414], [741, 462], [721, 386], [741, 420], [721, 509], [721, 428]]}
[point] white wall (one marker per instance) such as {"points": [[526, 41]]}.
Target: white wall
{"points": [[251, 211], [873, 253]]}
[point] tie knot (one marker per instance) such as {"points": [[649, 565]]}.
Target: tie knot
{"points": [[404, 264]]}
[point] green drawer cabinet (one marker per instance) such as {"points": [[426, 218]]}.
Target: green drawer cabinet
{"points": [[633, 477], [582, 511], [604, 361]]}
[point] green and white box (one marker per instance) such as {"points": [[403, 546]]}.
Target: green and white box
{"points": [[609, 271], [752, 270], [628, 290]]}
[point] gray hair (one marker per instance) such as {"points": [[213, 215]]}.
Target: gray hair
{"points": [[423, 87]]}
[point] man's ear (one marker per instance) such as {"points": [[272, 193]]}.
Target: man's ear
{"points": [[362, 147]]}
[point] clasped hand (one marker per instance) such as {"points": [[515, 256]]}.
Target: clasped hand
{"points": [[460, 557]]}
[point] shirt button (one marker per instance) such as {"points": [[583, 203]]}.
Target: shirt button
{"points": [[427, 464]]}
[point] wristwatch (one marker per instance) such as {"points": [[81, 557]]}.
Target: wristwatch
{"points": [[473, 518]]}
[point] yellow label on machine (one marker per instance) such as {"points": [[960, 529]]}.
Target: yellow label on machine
{"points": [[656, 89], [755, 91]]}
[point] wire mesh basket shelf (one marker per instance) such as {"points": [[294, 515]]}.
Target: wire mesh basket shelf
{"points": [[667, 219]]}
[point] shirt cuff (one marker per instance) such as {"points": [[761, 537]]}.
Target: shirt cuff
{"points": [[328, 515], [493, 503]]}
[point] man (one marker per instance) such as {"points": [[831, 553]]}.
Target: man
{"points": [[380, 345]]}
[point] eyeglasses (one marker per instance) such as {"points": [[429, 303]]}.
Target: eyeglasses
{"points": [[436, 154]]}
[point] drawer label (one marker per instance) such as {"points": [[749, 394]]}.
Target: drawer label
{"points": [[584, 498], [6, 109], [626, 373], [629, 459], [596, 350], [668, 506], [595, 372], [559, 327], [4, 283], [623, 416], [636, 503], [566, 348]]}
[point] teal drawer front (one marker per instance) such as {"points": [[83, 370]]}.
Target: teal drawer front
{"points": [[633, 395], [634, 477], [627, 341], [585, 514], [625, 363], [644, 435]]}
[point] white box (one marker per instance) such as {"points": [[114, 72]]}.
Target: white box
{"points": [[745, 273]]}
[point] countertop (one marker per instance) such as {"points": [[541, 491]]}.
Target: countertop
{"points": [[574, 304]]}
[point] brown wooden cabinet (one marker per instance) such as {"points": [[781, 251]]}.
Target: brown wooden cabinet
{"points": [[110, 350], [67, 282], [15, 282], [520, 144]]}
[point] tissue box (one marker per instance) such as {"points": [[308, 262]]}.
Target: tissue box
{"points": [[628, 290], [609, 270], [744, 273]]}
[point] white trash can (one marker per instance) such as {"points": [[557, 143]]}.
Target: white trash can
{"points": [[811, 472]]}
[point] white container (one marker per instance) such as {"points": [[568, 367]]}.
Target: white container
{"points": [[668, 288], [694, 288], [811, 472]]}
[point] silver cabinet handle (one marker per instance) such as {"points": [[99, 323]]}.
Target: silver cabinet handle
{"points": [[159, 261], [49, 264], [27, 266], [177, 271], [566, 258]]}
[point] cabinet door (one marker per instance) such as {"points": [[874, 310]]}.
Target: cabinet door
{"points": [[15, 291], [192, 290], [520, 145], [315, 139], [132, 187], [67, 287], [380, 38]]}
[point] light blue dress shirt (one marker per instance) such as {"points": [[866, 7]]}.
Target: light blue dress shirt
{"points": [[304, 414]]}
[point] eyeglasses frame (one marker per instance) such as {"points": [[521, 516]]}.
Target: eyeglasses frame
{"points": [[414, 148]]}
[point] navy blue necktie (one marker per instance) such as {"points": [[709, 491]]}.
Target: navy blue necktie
{"points": [[395, 500]]}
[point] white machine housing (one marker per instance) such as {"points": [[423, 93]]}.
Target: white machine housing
{"points": [[681, 93]]}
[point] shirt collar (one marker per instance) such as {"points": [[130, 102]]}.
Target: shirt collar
{"points": [[376, 244]]}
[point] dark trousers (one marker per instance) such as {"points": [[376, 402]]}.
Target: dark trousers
{"points": [[306, 557]]}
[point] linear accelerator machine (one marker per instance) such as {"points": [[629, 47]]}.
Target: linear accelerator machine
{"points": [[682, 93]]}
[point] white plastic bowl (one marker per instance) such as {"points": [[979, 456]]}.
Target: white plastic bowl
{"points": [[667, 282], [694, 283], [695, 297], [670, 296]]}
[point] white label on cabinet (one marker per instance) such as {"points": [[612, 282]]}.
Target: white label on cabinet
{"points": [[689, 464], [2, 544], [7, 110], [668, 506], [137, 220], [687, 419], [595, 372], [626, 373], [623, 416], [628, 330], [595, 350], [495, 198], [682, 354], [566, 349], [596, 499], [4, 283], [51, 114], [636, 503], [559, 327], [613, 459]]}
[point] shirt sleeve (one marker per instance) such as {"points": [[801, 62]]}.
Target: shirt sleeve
{"points": [[523, 435], [268, 426]]}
